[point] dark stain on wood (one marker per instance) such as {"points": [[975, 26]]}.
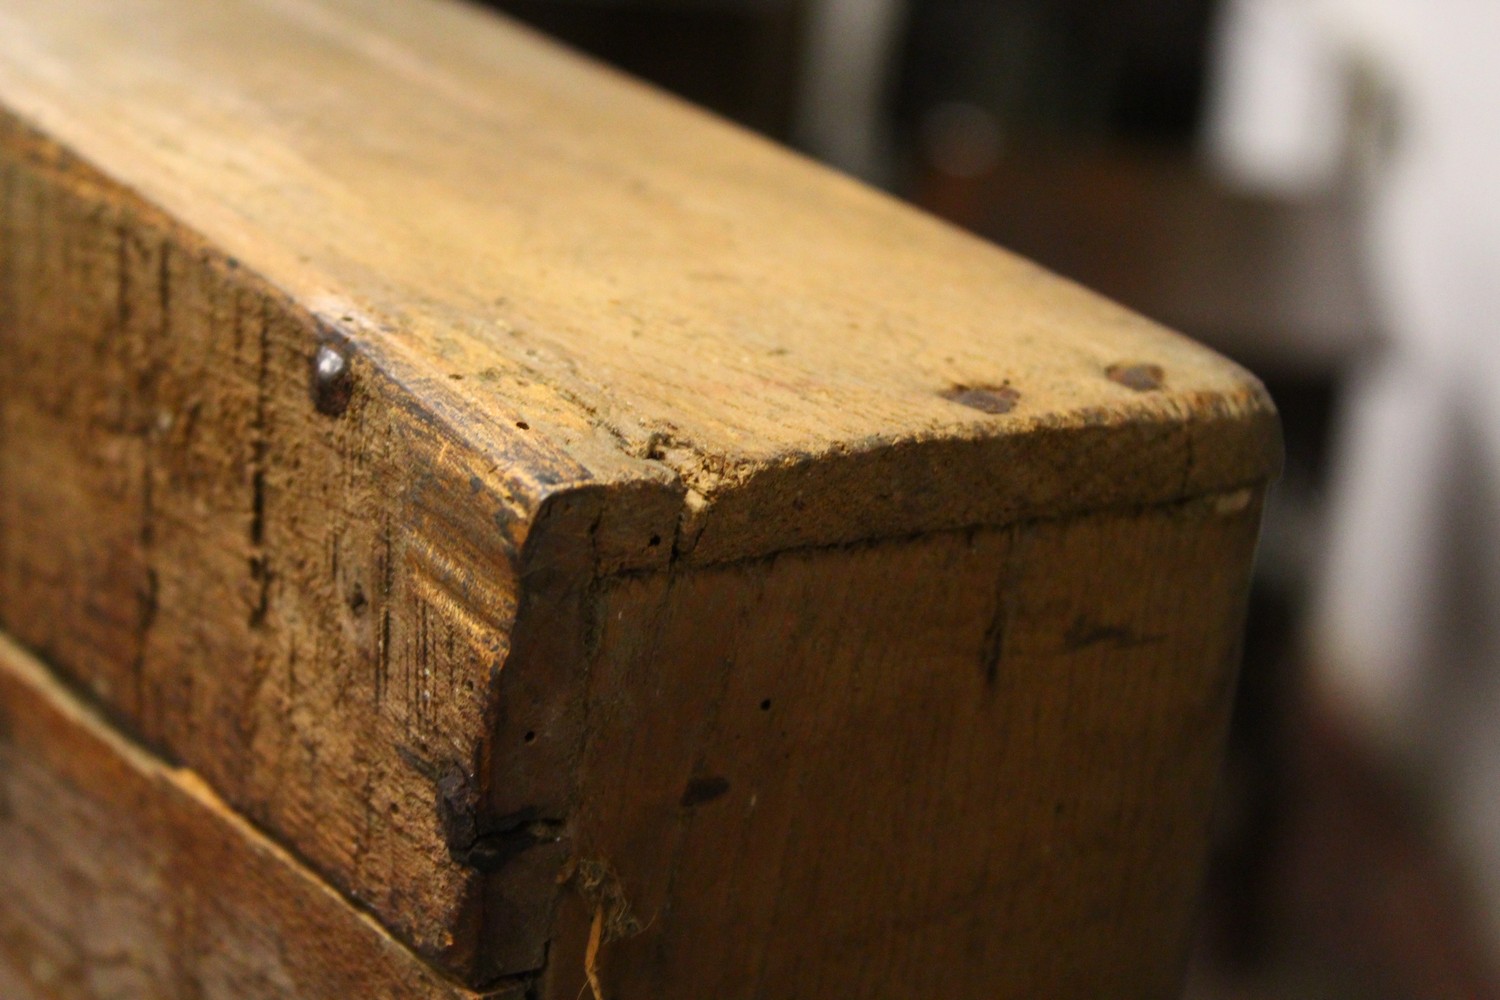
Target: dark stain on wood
{"points": [[703, 790], [1140, 377], [993, 399]]}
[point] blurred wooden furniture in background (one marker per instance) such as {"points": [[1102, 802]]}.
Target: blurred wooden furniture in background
{"points": [[472, 525]]}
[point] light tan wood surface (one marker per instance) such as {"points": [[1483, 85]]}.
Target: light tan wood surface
{"points": [[658, 295], [123, 877], [356, 360]]}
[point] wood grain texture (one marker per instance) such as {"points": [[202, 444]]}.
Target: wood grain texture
{"points": [[973, 764], [456, 195], [572, 336], [124, 878], [310, 612]]}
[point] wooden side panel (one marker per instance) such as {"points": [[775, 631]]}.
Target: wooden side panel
{"points": [[971, 765], [304, 594], [123, 878]]}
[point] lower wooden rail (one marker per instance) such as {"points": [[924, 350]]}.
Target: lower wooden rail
{"points": [[125, 877]]}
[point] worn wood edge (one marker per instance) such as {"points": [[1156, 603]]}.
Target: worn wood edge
{"points": [[442, 55], [1156, 447], [1064, 466], [661, 506], [55, 706]]}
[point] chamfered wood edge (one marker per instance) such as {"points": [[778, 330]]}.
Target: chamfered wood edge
{"points": [[660, 507], [54, 708]]}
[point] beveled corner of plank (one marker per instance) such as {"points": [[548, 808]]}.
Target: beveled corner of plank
{"points": [[623, 290]]}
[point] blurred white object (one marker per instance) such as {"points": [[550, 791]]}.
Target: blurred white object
{"points": [[1407, 628], [1276, 119]]}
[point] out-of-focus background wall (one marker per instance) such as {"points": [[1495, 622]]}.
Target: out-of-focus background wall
{"points": [[1312, 187]]}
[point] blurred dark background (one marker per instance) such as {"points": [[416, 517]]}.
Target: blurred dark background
{"points": [[1075, 133]]}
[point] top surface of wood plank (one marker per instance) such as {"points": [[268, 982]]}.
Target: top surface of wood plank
{"points": [[605, 277]]}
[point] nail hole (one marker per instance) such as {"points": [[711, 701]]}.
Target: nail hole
{"points": [[530, 736], [655, 541], [984, 398], [1140, 377], [765, 706]]}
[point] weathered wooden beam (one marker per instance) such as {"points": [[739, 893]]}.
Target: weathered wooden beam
{"points": [[443, 447]]}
